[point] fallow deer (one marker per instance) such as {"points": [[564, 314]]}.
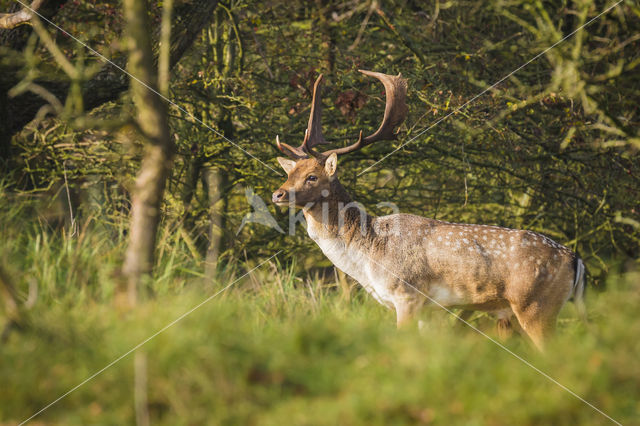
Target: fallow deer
{"points": [[407, 261]]}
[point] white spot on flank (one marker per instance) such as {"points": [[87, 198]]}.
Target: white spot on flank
{"points": [[439, 238]]}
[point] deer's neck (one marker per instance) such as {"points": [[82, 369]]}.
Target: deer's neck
{"points": [[337, 217], [346, 236]]}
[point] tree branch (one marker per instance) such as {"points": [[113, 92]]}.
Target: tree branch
{"points": [[107, 85], [12, 20]]}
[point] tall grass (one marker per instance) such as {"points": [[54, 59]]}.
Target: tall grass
{"points": [[280, 347]]}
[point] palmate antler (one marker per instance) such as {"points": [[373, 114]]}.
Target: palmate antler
{"points": [[394, 114]]}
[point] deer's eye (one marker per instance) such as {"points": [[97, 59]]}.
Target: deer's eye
{"points": [[311, 178]]}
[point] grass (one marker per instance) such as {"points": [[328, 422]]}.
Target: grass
{"points": [[278, 348]]}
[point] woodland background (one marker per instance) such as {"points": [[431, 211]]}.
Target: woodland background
{"points": [[552, 148]]}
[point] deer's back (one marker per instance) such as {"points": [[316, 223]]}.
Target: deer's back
{"points": [[464, 264]]}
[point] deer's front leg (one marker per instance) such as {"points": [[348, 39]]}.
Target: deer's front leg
{"points": [[406, 310]]}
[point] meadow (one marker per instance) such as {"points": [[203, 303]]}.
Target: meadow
{"points": [[281, 346]]}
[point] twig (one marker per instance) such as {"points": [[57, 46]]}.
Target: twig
{"points": [[66, 185], [372, 7], [55, 51]]}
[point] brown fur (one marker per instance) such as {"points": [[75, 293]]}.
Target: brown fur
{"points": [[407, 261]]}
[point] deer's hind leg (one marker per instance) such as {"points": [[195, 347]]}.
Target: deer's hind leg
{"points": [[503, 324]]}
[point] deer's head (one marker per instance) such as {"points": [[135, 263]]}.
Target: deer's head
{"points": [[310, 173], [308, 180]]}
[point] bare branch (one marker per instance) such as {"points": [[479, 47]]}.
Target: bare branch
{"points": [[55, 51], [12, 20]]}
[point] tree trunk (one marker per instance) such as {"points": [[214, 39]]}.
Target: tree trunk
{"points": [[192, 177], [216, 182], [159, 150], [328, 38], [14, 310], [140, 383]]}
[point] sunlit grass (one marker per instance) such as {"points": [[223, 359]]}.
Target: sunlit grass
{"points": [[280, 348]]}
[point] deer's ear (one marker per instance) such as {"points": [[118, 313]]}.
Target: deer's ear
{"points": [[330, 164], [286, 164]]}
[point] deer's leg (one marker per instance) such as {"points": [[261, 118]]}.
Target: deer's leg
{"points": [[406, 311], [504, 326]]}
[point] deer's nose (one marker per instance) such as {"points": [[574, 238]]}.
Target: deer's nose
{"points": [[278, 195]]}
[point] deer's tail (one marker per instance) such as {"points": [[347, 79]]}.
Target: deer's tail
{"points": [[579, 284]]}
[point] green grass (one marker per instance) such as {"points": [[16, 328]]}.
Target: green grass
{"points": [[278, 348]]}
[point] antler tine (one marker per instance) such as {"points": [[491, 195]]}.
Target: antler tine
{"points": [[313, 134], [395, 112], [295, 153]]}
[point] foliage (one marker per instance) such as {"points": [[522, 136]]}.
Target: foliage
{"points": [[552, 148]]}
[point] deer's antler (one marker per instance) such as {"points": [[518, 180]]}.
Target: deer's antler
{"points": [[395, 113], [313, 133]]}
